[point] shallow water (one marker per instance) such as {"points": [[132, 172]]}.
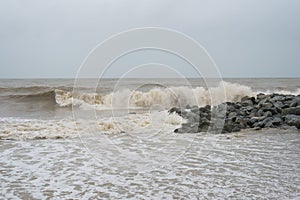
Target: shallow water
{"points": [[245, 165]]}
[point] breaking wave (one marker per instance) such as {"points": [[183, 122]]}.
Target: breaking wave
{"points": [[162, 97]]}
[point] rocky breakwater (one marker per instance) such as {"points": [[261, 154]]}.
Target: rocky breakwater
{"points": [[262, 111]]}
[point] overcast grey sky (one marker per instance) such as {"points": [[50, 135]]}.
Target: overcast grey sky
{"points": [[246, 38]]}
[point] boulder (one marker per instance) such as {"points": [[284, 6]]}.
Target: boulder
{"points": [[277, 97], [247, 103], [292, 120], [261, 96], [176, 110], [292, 110]]}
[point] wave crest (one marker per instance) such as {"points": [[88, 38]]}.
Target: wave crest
{"points": [[164, 97]]}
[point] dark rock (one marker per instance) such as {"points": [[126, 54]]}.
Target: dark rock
{"points": [[195, 110], [292, 120], [246, 98], [253, 112], [252, 121], [183, 112], [194, 128], [293, 110], [192, 117], [237, 105], [278, 98], [271, 122], [266, 105], [260, 113], [268, 114], [204, 115], [289, 97], [236, 129], [293, 104], [185, 128], [266, 111], [260, 96], [287, 105], [203, 127], [207, 107], [247, 103], [176, 110], [232, 114], [242, 122], [278, 104], [272, 110]]}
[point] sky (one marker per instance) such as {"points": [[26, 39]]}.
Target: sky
{"points": [[245, 38]]}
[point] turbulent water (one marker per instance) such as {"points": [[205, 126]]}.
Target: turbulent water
{"points": [[102, 141]]}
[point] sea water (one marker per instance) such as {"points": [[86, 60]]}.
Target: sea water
{"points": [[107, 142]]}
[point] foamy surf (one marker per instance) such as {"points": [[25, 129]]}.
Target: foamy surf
{"points": [[29, 129], [23, 129], [158, 121], [164, 97]]}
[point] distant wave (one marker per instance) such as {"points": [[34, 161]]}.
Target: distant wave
{"points": [[163, 97]]}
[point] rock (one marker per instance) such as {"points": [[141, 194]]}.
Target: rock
{"points": [[228, 125], [268, 114], [260, 96], [247, 103], [194, 128], [278, 98], [176, 110], [238, 105], [272, 110], [183, 113], [195, 110], [252, 121], [185, 128], [292, 110], [232, 114], [242, 122], [253, 112], [208, 107], [278, 104], [266, 111], [192, 117], [292, 120], [260, 113], [203, 127], [246, 98], [289, 97], [236, 129], [266, 105], [293, 104], [204, 115], [271, 122]]}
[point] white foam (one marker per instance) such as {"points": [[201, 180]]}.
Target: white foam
{"points": [[165, 97], [21, 129], [148, 122]]}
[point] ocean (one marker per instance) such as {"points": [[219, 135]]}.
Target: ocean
{"points": [[110, 138]]}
